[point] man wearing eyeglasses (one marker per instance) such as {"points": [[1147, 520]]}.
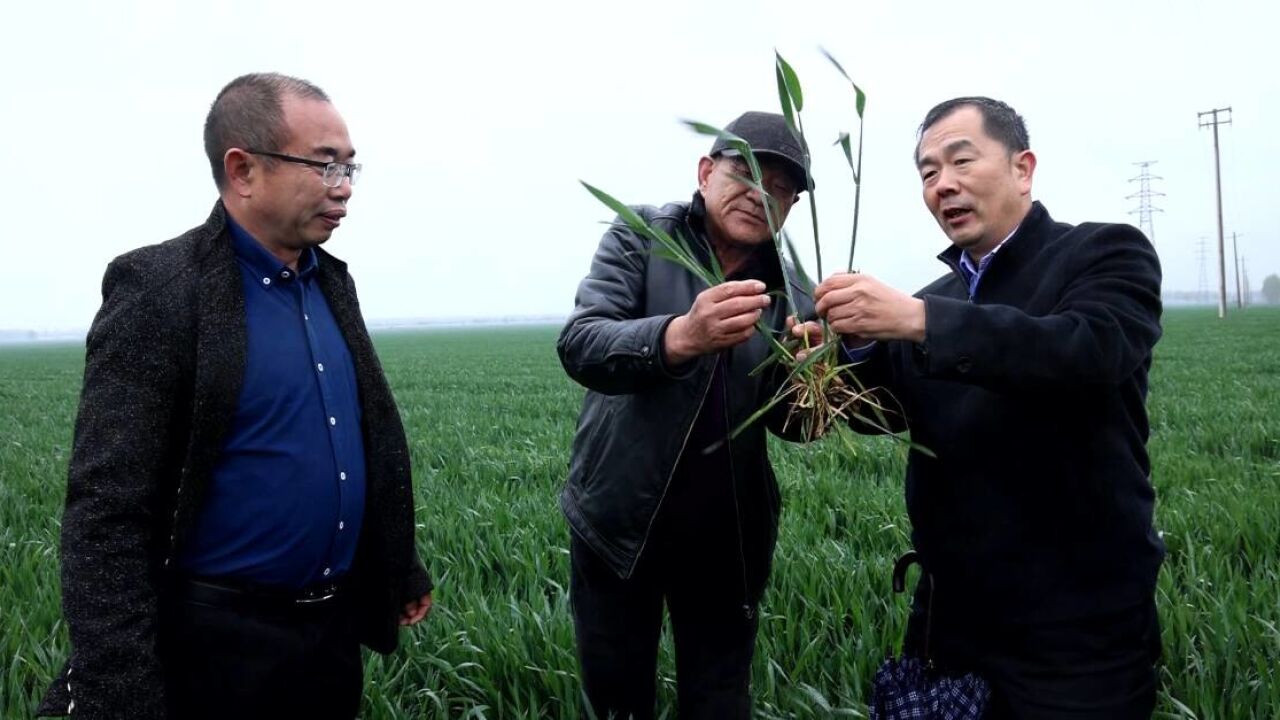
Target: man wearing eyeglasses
{"points": [[239, 513], [664, 510]]}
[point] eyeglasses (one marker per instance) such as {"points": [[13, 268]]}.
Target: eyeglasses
{"points": [[332, 172], [777, 183]]}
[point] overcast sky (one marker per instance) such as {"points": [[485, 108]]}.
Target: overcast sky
{"points": [[475, 121]]}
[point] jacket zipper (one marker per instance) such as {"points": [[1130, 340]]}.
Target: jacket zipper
{"points": [[667, 485], [648, 532], [748, 612], [746, 605]]}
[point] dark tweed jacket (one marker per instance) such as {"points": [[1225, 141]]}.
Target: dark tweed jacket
{"points": [[164, 367]]}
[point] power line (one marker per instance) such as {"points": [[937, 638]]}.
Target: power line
{"points": [[1144, 195], [1217, 176]]}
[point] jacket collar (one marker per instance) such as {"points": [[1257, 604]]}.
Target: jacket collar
{"points": [[1029, 231]]}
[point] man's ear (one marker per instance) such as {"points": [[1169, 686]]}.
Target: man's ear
{"points": [[705, 166], [242, 171], [1024, 167]]}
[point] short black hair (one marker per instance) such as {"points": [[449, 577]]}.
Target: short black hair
{"points": [[248, 113], [999, 121]]}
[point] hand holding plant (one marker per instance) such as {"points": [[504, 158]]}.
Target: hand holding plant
{"points": [[819, 392], [860, 305], [722, 316]]}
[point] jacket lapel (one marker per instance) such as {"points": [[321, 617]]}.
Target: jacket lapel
{"points": [[221, 349], [346, 310], [1025, 241], [387, 456]]}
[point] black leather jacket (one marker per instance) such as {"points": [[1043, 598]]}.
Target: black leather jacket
{"points": [[638, 413]]}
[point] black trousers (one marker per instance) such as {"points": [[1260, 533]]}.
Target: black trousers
{"points": [[1100, 667], [707, 559], [235, 662]]}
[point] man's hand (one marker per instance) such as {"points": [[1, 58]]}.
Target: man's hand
{"points": [[862, 308], [809, 332], [721, 317], [416, 611]]}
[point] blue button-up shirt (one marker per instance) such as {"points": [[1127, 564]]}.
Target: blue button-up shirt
{"points": [[972, 273], [285, 502]]}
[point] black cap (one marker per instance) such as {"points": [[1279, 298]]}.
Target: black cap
{"points": [[767, 134]]}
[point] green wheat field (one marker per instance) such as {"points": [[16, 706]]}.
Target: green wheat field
{"points": [[490, 416]]}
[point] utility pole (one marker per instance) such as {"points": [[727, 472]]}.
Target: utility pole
{"points": [[1202, 288], [1144, 195], [1235, 256], [1217, 176], [1248, 294]]}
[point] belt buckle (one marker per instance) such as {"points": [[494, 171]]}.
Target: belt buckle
{"points": [[328, 592]]}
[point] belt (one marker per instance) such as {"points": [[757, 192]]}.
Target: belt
{"points": [[218, 593]]}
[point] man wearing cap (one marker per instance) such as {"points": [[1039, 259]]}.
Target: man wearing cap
{"points": [[661, 509]]}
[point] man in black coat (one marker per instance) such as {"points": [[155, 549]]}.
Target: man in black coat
{"points": [[663, 510], [239, 513], [1024, 371]]}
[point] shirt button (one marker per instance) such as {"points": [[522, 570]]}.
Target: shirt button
{"points": [[266, 281], [320, 367], [284, 274], [306, 316], [333, 421], [342, 476], [341, 524], [326, 572]]}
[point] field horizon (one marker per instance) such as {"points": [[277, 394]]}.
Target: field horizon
{"points": [[490, 414]]}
